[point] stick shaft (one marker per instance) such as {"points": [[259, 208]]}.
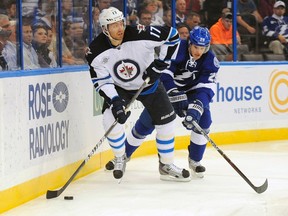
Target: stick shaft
{"points": [[259, 189], [52, 194]]}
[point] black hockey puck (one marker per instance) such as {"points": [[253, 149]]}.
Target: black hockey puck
{"points": [[68, 197]]}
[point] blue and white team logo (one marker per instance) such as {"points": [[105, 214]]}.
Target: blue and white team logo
{"points": [[126, 70], [60, 97]]}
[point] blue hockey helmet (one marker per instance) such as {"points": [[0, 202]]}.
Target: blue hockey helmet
{"points": [[200, 36]]}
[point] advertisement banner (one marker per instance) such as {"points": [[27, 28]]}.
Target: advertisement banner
{"points": [[50, 121], [47, 123], [250, 98]]}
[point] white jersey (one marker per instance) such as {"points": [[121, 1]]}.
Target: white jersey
{"points": [[125, 64]]}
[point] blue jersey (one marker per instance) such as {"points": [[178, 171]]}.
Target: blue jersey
{"points": [[274, 25], [191, 76]]}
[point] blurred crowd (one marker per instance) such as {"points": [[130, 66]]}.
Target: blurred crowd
{"points": [[261, 28]]}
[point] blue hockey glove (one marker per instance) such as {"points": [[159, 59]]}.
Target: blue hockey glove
{"points": [[194, 112], [179, 102], [118, 110], [154, 71]]}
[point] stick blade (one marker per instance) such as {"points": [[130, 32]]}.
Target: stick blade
{"points": [[52, 194], [261, 188]]}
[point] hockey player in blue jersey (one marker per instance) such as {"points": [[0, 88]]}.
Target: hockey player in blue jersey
{"points": [[195, 77], [120, 59], [190, 83]]}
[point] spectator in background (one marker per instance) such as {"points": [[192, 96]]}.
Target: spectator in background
{"points": [[180, 11], [2, 8], [9, 51], [213, 11], [49, 36], [49, 13], [183, 31], [4, 35], [152, 7], [95, 22], [52, 42], [275, 28], [265, 7], [160, 10], [194, 5], [29, 8], [67, 9], [11, 9], [145, 17], [29, 54], [132, 12], [247, 15], [52, 45], [167, 17], [13, 29], [48, 19], [221, 38], [103, 4], [286, 3], [192, 20], [39, 43], [67, 57], [73, 38], [249, 21]]}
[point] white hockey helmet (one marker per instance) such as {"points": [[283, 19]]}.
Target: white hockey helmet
{"points": [[109, 16]]}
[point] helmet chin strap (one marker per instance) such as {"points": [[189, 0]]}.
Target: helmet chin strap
{"points": [[207, 48], [114, 42]]}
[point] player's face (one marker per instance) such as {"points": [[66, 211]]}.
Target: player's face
{"points": [[116, 30], [196, 51]]}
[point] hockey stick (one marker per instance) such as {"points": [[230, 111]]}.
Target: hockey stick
{"points": [[55, 193], [259, 189]]}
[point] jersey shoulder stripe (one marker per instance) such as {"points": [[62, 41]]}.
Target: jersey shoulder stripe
{"points": [[152, 33], [133, 33]]}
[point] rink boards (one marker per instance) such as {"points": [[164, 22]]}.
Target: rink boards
{"points": [[51, 122]]}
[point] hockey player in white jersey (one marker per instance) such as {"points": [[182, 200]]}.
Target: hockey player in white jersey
{"points": [[120, 59], [190, 82]]}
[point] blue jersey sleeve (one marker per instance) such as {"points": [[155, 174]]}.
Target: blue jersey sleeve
{"points": [[168, 75]]}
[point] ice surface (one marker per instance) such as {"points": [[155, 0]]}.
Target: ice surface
{"points": [[222, 192]]}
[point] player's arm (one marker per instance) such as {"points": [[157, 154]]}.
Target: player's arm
{"points": [[102, 80], [169, 49], [202, 96], [104, 84], [168, 39], [177, 98], [206, 87], [168, 75]]}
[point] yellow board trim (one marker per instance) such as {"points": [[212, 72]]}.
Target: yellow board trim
{"points": [[34, 188]]}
